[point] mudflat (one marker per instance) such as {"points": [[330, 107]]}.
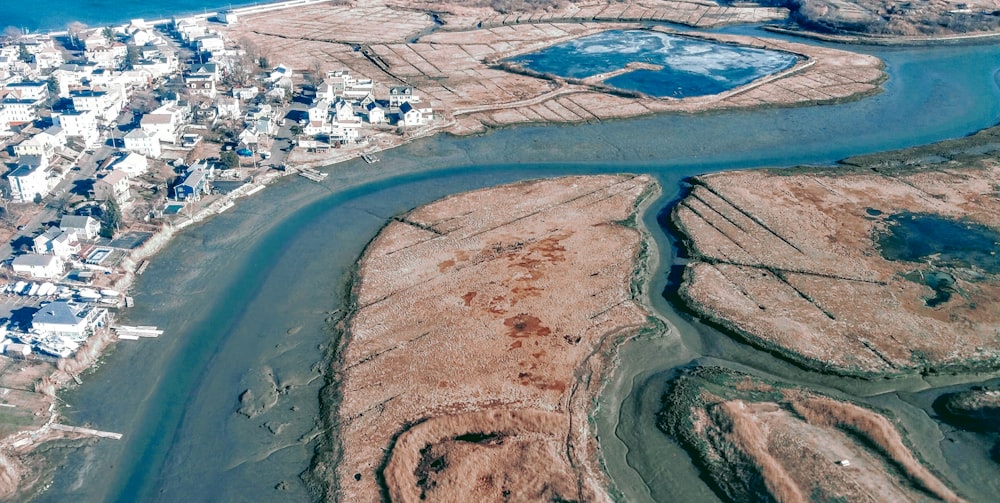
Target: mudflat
{"points": [[872, 271], [480, 330]]}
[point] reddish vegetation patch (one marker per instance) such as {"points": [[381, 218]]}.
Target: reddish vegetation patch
{"points": [[443, 266], [525, 325], [467, 298]]}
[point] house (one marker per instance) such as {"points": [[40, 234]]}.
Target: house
{"points": [[16, 350], [201, 80], [94, 40], [227, 17], [375, 113], [85, 226], [81, 125], [140, 142], [213, 44], [59, 242], [105, 103], [189, 140], [279, 73], [344, 111], [249, 136], [402, 94], [30, 90], [341, 84], [411, 117], [68, 319], [245, 93], [162, 126], [35, 146], [38, 266], [18, 111], [29, 179], [113, 187], [195, 185], [228, 107]]}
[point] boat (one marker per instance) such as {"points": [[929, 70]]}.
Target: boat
{"points": [[48, 288], [34, 289], [18, 287], [88, 294], [107, 292]]}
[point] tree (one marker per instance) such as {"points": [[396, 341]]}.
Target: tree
{"points": [[11, 35], [52, 85], [74, 29], [109, 34], [38, 198], [229, 160], [111, 219], [295, 129], [22, 53], [131, 57]]}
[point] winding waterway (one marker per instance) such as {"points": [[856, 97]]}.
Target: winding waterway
{"points": [[250, 292]]}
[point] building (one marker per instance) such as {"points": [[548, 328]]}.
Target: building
{"points": [[38, 266], [106, 103], [201, 80], [140, 142], [409, 116], [162, 126], [59, 242], [68, 319], [113, 187], [131, 164], [194, 186], [29, 179], [84, 226], [375, 113], [81, 125], [30, 90], [402, 94]]}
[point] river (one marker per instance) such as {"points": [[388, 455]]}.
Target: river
{"points": [[251, 291]]}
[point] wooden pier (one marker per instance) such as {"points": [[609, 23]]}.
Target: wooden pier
{"points": [[312, 174], [134, 333]]}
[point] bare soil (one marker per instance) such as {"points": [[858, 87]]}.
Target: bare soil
{"points": [[482, 326], [791, 262], [760, 441]]}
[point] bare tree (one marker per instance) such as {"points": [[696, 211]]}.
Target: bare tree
{"points": [[11, 35]]}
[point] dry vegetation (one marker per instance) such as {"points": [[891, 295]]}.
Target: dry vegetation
{"points": [[788, 444], [790, 262], [452, 58], [479, 334]]}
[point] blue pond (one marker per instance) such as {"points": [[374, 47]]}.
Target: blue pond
{"points": [[690, 67], [942, 242]]}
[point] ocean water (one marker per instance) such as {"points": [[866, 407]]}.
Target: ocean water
{"points": [[54, 15], [251, 293]]}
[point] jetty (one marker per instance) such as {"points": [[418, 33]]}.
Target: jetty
{"points": [[312, 174], [142, 267], [369, 158], [87, 431], [133, 333]]}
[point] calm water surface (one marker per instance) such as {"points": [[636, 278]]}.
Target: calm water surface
{"points": [[250, 292]]}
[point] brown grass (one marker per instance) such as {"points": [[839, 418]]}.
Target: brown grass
{"points": [[822, 411], [748, 436]]}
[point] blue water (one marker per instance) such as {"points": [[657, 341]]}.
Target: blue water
{"points": [[54, 15], [943, 242], [690, 67]]}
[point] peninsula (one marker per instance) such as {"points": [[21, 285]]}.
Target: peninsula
{"points": [[480, 330]]}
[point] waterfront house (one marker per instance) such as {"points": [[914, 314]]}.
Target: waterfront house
{"points": [[194, 185], [29, 179], [37, 265], [409, 116], [17, 350], [83, 225], [375, 113], [68, 319]]}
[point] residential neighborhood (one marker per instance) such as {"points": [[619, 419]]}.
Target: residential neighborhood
{"points": [[111, 136]]}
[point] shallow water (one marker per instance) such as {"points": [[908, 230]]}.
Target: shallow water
{"points": [[252, 289]]}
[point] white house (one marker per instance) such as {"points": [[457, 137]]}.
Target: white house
{"points": [[375, 113], [18, 111], [35, 146], [38, 266], [402, 94], [411, 117], [113, 187], [81, 125], [59, 242], [201, 80], [29, 90], [162, 126], [245, 93], [85, 226], [29, 179], [140, 142], [68, 319], [131, 164], [213, 44], [228, 107], [106, 104]]}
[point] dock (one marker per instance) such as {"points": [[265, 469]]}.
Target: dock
{"points": [[129, 301], [87, 431], [312, 174], [369, 158], [131, 333], [142, 267]]}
